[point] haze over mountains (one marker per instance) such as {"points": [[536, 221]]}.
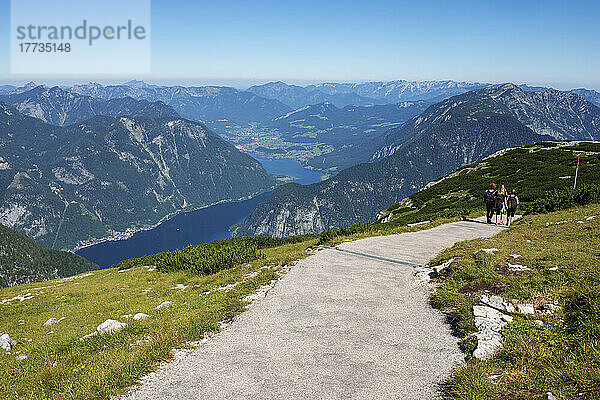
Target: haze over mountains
{"points": [[457, 131], [205, 103]]}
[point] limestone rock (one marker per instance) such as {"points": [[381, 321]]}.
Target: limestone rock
{"points": [[53, 321], [164, 304], [488, 251], [6, 342], [517, 267], [140, 317], [110, 326], [526, 309], [489, 321]]}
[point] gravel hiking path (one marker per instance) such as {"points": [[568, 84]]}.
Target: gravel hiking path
{"points": [[350, 322]]}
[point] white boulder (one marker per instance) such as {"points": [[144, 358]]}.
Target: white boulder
{"points": [[53, 321], [526, 309], [6, 342], [110, 326], [517, 267], [140, 317], [164, 304]]}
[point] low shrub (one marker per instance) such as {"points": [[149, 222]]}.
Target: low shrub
{"points": [[561, 199]]}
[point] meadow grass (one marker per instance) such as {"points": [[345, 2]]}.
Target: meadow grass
{"points": [[61, 366], [558, 353]]}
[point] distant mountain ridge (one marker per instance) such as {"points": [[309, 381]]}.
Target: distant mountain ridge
{"points": [[60, 107], [201, 103], [297, 96], [561, 115], [63, 185]]}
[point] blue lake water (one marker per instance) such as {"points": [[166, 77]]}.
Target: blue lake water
{"points": [[193, 227], [291, 168]]}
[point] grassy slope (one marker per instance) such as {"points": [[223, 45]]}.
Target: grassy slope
{"points": [[60, 366], [531, 170], [563, 354]]}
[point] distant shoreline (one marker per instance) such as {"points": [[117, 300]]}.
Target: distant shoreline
{"points": [[129, 232]]}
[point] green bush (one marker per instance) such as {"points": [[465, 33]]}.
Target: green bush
{"points": [[560, 199], [211, 257], [328, 235]]}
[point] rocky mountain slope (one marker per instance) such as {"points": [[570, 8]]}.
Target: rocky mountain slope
{"points": [[558, 114], [23, 260], [450, 134], [64, 185], [203, 103], [562, 115], [60, 107]]}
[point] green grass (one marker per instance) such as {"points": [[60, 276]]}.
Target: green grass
{"points": [[60, 366], [533, 170], [561, 353]]}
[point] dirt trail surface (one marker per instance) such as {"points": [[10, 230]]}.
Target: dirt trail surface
{"points": [[345, 323]]}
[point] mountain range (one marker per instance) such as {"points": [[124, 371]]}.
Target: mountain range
{"points": [[455, 132], [202, 103], [67, 185], [60, 107]]}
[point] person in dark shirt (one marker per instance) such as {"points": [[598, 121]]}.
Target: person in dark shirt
{"points": [[512, 202], [489, 198]]}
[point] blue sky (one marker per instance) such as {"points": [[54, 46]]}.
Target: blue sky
{"points": [[553, 43]]}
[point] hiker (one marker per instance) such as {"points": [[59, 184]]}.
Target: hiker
{"points": [[500, 205], [513, 203], [489, 199]]}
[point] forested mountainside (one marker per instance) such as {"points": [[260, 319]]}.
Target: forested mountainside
{"points": [[448, 135], [23, 260], [64, 185]]}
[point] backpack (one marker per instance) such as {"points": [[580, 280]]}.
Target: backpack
{"points": [[489, 198], [499, 201], [513, 202]]}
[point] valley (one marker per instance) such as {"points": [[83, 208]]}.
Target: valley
{"points": [[300, 200]]}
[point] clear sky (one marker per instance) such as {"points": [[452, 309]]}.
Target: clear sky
{"points": [[552, 43]]}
